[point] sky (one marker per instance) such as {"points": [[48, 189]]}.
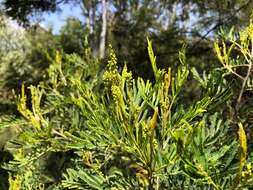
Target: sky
{"points": [[56, 20]]}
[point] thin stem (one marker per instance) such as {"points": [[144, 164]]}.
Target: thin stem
{"points": [[244, 83], [150, 172], [236, 74]]}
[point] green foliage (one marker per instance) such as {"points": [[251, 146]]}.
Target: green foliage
{"points": [[84, 127], [88, 129]]}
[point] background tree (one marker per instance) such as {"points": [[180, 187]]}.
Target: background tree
{"points": [[72, 36], [22, 10], [103, 30], [167, 22], [23, 57]]}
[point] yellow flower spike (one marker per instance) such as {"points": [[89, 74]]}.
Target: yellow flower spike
{"points": [[243, 147], [58, 61], [87, 158], [218, 53], [152, 123], [22, 103], [58, 57], [167, 81], [113, 59]]}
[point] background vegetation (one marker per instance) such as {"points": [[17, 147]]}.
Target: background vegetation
{"points": [[132, 95]]}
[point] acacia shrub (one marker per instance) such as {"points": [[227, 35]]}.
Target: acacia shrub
{"points": [[108, 130]]}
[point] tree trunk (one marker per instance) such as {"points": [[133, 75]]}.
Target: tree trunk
{"points": [[86, 9], [93, 15], [103, 30]]}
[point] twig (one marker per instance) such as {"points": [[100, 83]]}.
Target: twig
{"points": [[230, 17], [244, 83]]}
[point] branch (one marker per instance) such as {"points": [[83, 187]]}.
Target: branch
{"points": [[244, 83], [230, 17]]}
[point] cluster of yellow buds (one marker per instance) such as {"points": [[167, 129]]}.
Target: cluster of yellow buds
{"points": [[246, 35], [110, 76], [111, 73], [116, 93], [126, 75]]}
